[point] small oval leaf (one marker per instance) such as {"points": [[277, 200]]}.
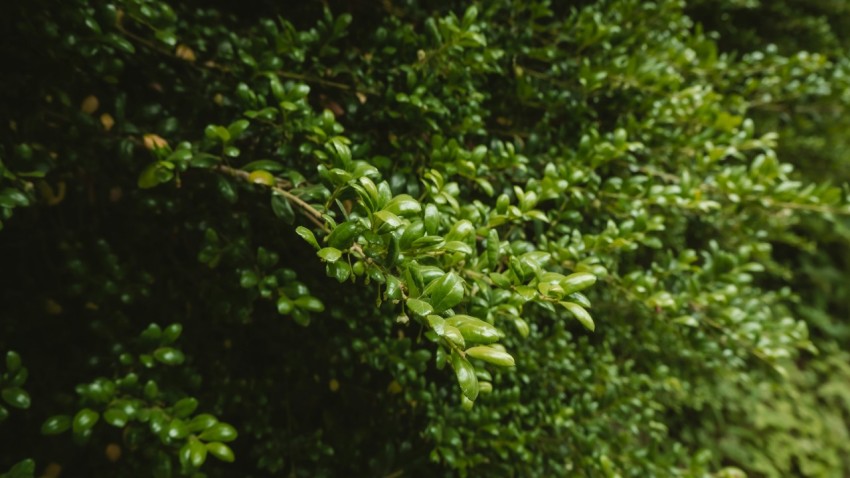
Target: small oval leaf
{"points": [[219, 432], [581, 314], [491, 355]]}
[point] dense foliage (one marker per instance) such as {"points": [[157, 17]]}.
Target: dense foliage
{"points": [[422, 238]]}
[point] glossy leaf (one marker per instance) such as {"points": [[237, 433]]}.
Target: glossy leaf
{"points": [[169, 355], [221, 451], [491, 355], [419, 307], [16, 397], [475, 330], [446, 292], [577, 282], [465, 373], [84, 420], [56, 425], [581, 314], [219, 432], [330, 254], [307, 235]]}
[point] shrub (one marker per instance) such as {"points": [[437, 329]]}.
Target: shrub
{"points": [[424, 238]]}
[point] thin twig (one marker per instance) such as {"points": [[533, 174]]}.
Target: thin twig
{"points": [[312, 213]]}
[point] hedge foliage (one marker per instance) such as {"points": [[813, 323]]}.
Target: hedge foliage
{"points": [[425, 238]]}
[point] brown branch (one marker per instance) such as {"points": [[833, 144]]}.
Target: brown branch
{"points": [[279, 187]]}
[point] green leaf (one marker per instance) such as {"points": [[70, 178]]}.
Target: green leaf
{"points": [[248, 279], [149, 177], [151, 390], [226, 189], [393, 251], [169, 355], [581, 314], [431, 219], [526, 292], [419, 307], [329, 254], [458, 246], [341, 150], [177, 429], [201, 422], [185, 407], [180, 155], [282, 208], [16, 397], [307, 235], [193, 454], [217, 132], [265, 165], [491, 355], [219, 432], [221, 451], [115, 417], [310, 303], [493, 252], [453, 335], [500, 280], [522, 327], [56, 425], [172, 333], [578, 281], [412, 232], [284, 305], [152, 332], [446, 292], [22, 469], [475, 330], [403, 205], [465, 373], [344, 235], [121, 43], [393, 288], [13, 361], [259, 176], [84, 420], [386, 221], [341, 271], [238, 127]]}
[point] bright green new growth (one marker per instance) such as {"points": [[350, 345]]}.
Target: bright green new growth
{"points": [[402, 238]]}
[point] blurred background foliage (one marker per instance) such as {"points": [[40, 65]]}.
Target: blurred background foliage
{"points": [[168, 171]]}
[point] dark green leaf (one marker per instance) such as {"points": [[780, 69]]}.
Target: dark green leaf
{"points": [[16, 397], [330, 254], [185, 407], [115, 417], [282, 208], [475, 330], [403, 205], [84, 420], [307, 235], [56, 425], [578, 281], [446, 292], [201, 422], [221, 451], [13, 361], [219, 432], [169, 355], [491, 355], [309, 303], [419, 307], [465, 373], [581, 314]]}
